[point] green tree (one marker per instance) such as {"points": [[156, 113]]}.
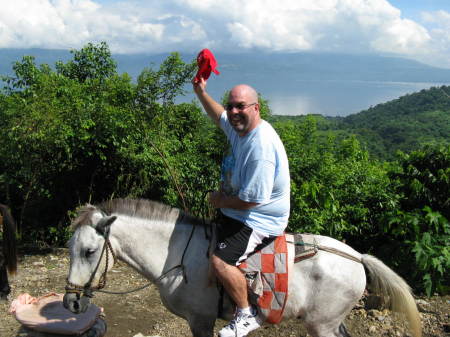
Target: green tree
{"points": [[73, 135], [419, 227], [89, 63], [165, 84], [336, 189]]}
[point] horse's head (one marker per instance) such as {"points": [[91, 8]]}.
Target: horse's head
{"points": [[91, 257]]}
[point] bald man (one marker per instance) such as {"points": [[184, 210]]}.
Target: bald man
{"points": [[254, 196]]}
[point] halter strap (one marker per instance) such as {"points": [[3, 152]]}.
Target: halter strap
{"points": [[87, 289]]}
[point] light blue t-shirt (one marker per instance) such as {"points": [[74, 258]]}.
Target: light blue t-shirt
{"points": [[256, 170]]}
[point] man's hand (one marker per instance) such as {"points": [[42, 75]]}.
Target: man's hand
{"points": [[215, 199], [199, 86], [221, 200]]}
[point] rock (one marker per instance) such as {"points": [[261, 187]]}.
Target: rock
{"points": [[373, 313], [360, 312], [423, 306], [381, 318], [421, 301]]}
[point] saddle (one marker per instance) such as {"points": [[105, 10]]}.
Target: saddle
{"points": [[267, 272]]}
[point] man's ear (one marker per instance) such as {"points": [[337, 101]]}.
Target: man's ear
{"points": [[104, 224]]}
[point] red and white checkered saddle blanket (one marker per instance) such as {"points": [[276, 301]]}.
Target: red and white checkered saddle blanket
{"points": [[267, 273]]}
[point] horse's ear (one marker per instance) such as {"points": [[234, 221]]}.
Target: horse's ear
{"points": [[104, 223]]}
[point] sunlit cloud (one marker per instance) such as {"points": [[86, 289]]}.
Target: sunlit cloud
{"points": [[154, 26]]}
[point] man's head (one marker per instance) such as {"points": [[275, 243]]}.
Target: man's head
{"points": [[243, 109]]}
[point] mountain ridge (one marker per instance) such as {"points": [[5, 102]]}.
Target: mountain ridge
{"points": [[308, 65]]}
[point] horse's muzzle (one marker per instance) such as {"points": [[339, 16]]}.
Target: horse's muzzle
{"points": [[76, 303]]}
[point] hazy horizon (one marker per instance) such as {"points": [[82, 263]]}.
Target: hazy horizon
{"points": [[294, 83]]}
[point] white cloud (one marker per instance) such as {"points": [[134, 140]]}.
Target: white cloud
{"points": [[224, 25], [402, 37], [73, 23], [338, 25], [439, 29]]}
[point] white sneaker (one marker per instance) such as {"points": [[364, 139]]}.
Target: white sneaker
{"points": [[241, 325]]}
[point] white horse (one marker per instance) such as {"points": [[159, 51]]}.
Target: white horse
{"points": [[156, 239]]}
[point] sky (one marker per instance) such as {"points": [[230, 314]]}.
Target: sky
{"points": [[415, 29]]}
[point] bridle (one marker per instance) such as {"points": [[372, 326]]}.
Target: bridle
{"points": [[87, 289]]}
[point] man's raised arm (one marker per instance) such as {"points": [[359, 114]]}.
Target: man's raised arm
{"points": [[212, 108]]}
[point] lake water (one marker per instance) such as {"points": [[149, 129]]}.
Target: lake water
{"points": [[328, 98], [339, 98]]}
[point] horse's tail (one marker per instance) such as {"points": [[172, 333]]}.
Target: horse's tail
{"points": [[9, 239], [385, 282]]}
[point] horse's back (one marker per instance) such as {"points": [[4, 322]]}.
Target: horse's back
{"points": [[327, 241]]}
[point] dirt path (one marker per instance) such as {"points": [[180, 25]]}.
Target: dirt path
{"points": [[142, 312]]}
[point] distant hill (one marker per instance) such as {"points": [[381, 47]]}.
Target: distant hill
{"points": [[295, 66], [405, 124]]}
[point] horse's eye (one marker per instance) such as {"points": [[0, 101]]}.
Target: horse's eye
{"points": [[89, 252]]}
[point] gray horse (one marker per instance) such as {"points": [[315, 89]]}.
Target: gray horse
{"points": [[153, 239]]}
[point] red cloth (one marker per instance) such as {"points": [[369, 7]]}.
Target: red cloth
{"points": [[206, 64]]}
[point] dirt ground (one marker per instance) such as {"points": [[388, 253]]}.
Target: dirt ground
{"points": [[142, 314]]}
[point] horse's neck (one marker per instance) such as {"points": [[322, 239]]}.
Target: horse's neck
{"points": [[150, 247]]}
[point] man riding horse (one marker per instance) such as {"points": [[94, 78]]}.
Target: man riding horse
{"points": [[254, 196]]}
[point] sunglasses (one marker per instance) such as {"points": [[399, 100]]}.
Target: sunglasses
{"points": [[238, 106]]}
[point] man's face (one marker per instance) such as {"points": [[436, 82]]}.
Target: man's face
{"points": [[242, 111]]}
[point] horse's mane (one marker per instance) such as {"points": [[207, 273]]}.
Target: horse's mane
{"points": [[133, 207]]}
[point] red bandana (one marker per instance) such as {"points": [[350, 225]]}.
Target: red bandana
{"points": [[206, 63]]}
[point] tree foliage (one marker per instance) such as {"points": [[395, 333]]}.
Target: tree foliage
{"points": [[84, 133], [420, 224]]}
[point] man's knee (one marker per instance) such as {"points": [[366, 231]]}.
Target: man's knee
{"points": [[219, 266]]}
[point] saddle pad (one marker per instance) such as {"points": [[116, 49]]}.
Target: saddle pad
{"points": [[305, 246], [267, 276], [47, 314]]}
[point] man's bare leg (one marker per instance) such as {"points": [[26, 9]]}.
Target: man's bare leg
{"points": [[233, 281]]}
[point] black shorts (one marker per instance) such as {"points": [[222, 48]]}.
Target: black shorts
{"points": [[236, 241]]}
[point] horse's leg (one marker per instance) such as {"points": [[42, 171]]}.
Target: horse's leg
{"points": [[334, 328], [333, 286], [4, 284], [202, 326], [343, 330]]}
